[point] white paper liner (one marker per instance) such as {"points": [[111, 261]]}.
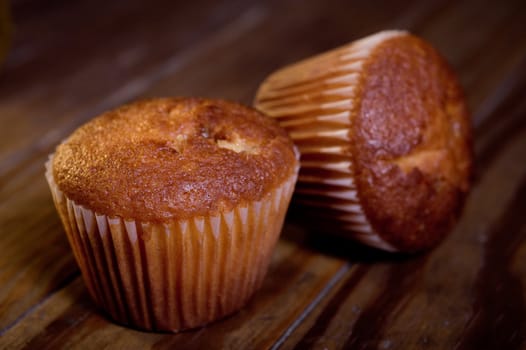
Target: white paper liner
{"points": [[179, 274], [313, 100]]}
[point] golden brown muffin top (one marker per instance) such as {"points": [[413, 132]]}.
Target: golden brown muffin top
{"points": [[165, 158], [412, 154]]}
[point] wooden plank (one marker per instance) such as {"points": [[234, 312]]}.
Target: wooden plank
{"points": [[69, 320], [226, 48], [65, 70], [313, 296], [441, 300], [239, 66], [485, 55], [448, 297], [35, 259], [142, 49], [28, 273]]}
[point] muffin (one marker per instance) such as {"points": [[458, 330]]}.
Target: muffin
{"points": [[385, 139], [173, 207]]}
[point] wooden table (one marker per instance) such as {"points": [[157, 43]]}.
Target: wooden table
{"points": [[74, 59]]}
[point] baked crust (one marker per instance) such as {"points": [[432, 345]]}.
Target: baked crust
{"points": [[168, 158], [411, 149], [384, 135]]}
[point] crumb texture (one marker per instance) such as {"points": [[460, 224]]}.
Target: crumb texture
{"points": [[173, 158], [411, 145]]}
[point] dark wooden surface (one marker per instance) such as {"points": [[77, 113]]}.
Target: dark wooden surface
{"points": [[71, 60]]}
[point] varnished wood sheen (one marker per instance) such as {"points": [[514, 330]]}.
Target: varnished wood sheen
{"points": [[70, 60]]}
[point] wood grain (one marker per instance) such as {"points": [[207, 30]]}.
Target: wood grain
{"points": [[439, 296], [197, 68], [72, 60], [294, 272]]}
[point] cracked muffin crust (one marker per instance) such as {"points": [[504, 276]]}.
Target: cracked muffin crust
{"points": [[173, 157], [385, 137]]}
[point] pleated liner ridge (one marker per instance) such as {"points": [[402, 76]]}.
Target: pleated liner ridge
{"points": [[176, 275], [315, 101]]}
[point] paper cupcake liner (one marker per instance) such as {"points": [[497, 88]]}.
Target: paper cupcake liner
{"points": [[175, 275], [314, 101]]}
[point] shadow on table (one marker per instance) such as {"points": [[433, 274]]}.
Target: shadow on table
{"points": [[301, 232]]}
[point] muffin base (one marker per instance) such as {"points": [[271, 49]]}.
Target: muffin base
{"points": [[179, 274]]}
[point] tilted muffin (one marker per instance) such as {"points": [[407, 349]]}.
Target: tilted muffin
{"points": [[384, 136], [173, 207]]}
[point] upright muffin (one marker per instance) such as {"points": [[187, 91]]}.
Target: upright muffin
{"points": [[384, 136], [173, 207]]}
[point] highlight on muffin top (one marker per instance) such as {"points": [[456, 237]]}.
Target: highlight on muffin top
{"points": [[173, 157]]}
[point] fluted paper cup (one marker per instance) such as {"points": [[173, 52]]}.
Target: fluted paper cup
{"points": [[179, 274], [314, 100]]}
